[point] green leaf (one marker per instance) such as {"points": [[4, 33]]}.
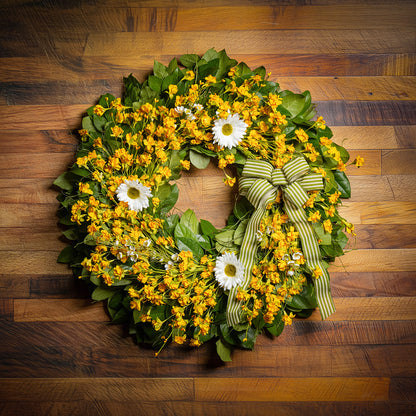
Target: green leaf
{"points": [[209, 68], [155, 83], [102, 293], [210, 55], [343, 183], [294, 103], [199, 160], [173, 64], [322, 235], [160, 70], [189, 60], [342, 239], [190, 221], [71, 234], [240, 232], [224, 350], [277, 328], [80, 171], [242, 208], [88, 125], [189, 244], [65, 181], [167, 204], [304, 300], [66, 255], [207, 228]]}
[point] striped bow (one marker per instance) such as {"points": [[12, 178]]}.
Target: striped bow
{"points": [[260, 182]]}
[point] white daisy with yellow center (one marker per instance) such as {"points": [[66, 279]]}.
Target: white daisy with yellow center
{"points": [[135, 194], [230, 131], [229, 272]]}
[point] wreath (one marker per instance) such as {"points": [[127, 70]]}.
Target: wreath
{"points": [[171, 277]]}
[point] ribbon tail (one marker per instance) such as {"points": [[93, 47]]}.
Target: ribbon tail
{"points": [[313, 259], [247, 256]]}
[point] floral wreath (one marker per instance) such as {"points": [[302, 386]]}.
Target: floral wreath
{"points": [[173, 278]]}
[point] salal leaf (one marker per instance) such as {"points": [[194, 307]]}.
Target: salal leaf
{"points": [[343, 183], [199, 160]]}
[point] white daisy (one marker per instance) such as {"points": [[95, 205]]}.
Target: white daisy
{"points": [[135, 194], [229, 272], [230, 131]]}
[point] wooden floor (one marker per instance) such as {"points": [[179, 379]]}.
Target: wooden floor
{"points": [[59, 356]]}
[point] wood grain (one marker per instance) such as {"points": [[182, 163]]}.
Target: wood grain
{"points": [[59, 354]]}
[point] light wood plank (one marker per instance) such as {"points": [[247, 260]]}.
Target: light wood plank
{"points": [[250, 42], [67, 310], [60, 389], [352, 88], [371, 309], [390, 212], [367, 260], [287, 389], [399, 162]]}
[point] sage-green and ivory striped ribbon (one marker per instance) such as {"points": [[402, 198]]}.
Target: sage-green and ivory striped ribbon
{"points": [[259, 182]]}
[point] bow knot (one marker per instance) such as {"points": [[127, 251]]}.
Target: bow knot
{"points": [[260, 182]]}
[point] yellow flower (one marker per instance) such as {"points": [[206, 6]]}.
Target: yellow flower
{"points": [[317, 272], [287, 319], [189, 76], [173, 89], [301, 135], [320, 123], [229, 180], [327, 226], [85, 188], [359, 161]]}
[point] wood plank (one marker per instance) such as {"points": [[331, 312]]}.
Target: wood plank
{"points": [[124, 44], [372, 309], [205, 408], [390, 212], [27, 239], [383, 188], [399, 162], [321, 89], [26, 215], [296, 389], [403, 389], [301, 333], [368, 260], [41, 165], [367, 284], [97, 389], [348, 309], [46, 117], [46, 141], [77, 68], [353, 138], [336, 113], [74, 310], [367, 113], [313, 361], [211, 18], [363, 260], [375, 137]]}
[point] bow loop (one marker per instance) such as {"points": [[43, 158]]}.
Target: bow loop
{"points": [[259, 182]]}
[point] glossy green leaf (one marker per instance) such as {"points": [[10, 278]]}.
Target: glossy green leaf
{"points": [[199, 160], [343, 183], [224, 350]]}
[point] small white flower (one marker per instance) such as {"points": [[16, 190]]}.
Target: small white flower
{"points": [[290, 272], [259, 236], [229, 272], [175, 257], [183, 110], [297, 255], [286, 257], [135, 194], [147, 243], [230, 131], [198, 107], [169, 265]]}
